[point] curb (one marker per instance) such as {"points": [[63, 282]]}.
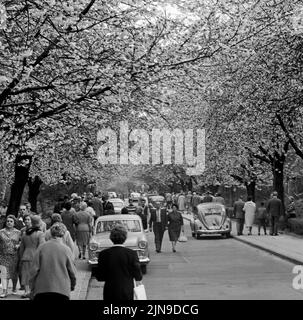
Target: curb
{"points": [[84, 287], [280, 255]]}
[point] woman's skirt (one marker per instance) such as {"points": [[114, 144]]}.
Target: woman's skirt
{"points": [[10, 262], [82, 238], [174, 232], [25, 272]]}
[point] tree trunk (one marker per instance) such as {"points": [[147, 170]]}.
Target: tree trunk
{"points": [[251, 189], [22, 167], [33, 192], [278, 179], [3, 188], [190, 185]]}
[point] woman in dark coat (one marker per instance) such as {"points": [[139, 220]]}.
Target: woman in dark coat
{"points": [[175, 224], [118, 266], [69, 218]]}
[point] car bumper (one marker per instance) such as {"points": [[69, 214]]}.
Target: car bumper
{"points": [[142, 261], [213, 231]]}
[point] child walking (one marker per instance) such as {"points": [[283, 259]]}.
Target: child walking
{"points": [[261, 216]]}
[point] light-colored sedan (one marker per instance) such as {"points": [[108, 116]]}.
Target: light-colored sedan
{"points": [[136, 238], [210, 219], [118, 204]]}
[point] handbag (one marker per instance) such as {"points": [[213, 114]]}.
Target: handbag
{"points": [[139, 292], [182, 238]]}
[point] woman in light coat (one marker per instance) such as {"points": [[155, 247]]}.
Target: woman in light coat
{"points": [[250, 213], [30, 241], [53, 273]]}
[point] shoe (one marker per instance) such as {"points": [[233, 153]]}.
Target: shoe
{"points": [[79, 256], [14, 292], [3, 295], [25, 296], [83, 258], [174, 250], [158, 251], [258, 233]]}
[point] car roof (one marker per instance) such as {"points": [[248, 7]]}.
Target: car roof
{"points": [[210, 205], [156, 197], [115, 200], [111, 217]]}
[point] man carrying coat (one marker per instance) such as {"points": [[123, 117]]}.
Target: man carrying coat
{"points": [[158, 223], [239, 215], [275, 210]]}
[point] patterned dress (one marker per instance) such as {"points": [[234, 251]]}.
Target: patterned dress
{"points": [[9, 239]]}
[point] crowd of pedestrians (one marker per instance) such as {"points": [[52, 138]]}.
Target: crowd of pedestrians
{"points": [[41, 254], [27, 240]]}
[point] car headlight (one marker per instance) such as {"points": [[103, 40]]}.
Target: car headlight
{"points": [[142, 244], [93, 246]]}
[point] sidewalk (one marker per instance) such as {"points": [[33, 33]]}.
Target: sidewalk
{"points": [[285, 246], [83, 277]]}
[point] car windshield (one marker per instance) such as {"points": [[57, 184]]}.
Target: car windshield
{"points": [[211, 210], [130, 225], [212, 216], [118, 204], [156, 198]]}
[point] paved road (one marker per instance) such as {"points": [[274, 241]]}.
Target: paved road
{"points": [[213, 268]]}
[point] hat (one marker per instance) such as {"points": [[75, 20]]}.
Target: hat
{"points": [[36, 221]]}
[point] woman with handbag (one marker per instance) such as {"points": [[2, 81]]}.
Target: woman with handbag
{"points": [[175, 225]]}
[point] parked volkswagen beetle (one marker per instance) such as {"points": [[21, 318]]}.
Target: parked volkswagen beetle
{"points": [[210, 219]]}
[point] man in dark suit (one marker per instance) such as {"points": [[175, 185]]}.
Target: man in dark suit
{"points": [[118, 266], [158, 223], [108, 207], [207, 198], [239, 215], [96, 205], [275, 210]]}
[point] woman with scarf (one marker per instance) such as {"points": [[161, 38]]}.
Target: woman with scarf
{"points": [[30, 242]]}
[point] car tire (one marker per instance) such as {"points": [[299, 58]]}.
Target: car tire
{"points": [[227, 235], [193, 234], [143, 269], [197, 236]]}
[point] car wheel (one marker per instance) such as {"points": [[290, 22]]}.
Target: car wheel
{"points": [[227, 235], [143, 269], [197, 236], [193, 234]]}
